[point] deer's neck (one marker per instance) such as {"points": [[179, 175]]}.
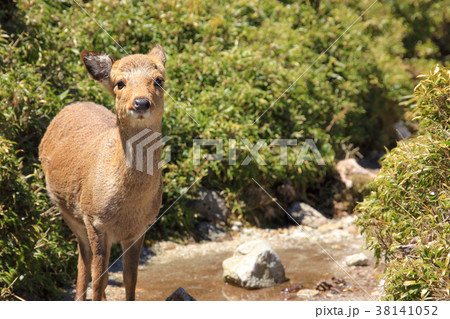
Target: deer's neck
{"points": [[138, 154]]}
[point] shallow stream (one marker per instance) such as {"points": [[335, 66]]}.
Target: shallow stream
{"points": [[197, 267], [201, 276]]}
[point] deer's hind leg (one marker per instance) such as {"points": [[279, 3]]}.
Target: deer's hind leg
{"points": [[84, 268], [84, 255]]}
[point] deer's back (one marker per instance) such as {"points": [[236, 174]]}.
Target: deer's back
{"points": [[76, 123], [69, 147]]}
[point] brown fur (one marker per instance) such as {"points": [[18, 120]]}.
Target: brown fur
{"points": [[83, 157]]}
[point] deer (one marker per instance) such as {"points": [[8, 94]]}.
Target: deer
{"points": [[83, 154]]}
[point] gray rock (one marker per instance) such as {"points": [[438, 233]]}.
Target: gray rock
{"points": [[357, 260], [372, 160], [209, 231], [210, 205], [401, 130], [306, 215], [262, 209], [180, 295], [353, 174], [254, 265], [407, 249], [286, 192]]}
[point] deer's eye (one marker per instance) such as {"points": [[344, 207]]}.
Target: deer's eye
{"points": [[160, 82], [120, 85]]}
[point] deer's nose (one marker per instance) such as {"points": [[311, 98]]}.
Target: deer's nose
{"points": [[141, 104]]}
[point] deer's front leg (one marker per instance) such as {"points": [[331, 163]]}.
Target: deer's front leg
{"points": [[100, 257], [132, 251]]}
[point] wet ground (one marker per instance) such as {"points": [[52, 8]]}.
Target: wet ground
{"points": [[309, 256]]}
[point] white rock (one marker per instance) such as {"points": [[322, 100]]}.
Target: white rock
{"points": [[237, 224], [254, 265], [235, 228], [357, 260]]}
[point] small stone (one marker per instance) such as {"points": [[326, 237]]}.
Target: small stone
{"points": [[293, 289], [329, 227], [286, 192], [352, 174], [263, 211], [209, 231], [170, 245], [306, 215], [401, 130], [254, 265], [407, 249], [180, 295], [236, 226], [308, 293], [209, 205], [357, 260]]}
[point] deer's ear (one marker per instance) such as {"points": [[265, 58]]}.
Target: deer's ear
{"points": [[159, 54], [99, 67]]}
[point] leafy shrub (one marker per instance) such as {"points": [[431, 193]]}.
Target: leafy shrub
{"points": [[406, 218], [226, 65], [36, 255], [426, 23]]}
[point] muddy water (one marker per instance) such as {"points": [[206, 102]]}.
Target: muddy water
{"points": [[202, 276]]}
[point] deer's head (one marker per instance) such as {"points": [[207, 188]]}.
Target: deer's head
{"points": [[136, 82]]}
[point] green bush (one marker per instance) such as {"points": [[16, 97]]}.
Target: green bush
{"points": [[426, 23], [227, 62], [406, 218], [36, 255]]}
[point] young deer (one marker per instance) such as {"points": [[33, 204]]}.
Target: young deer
{"points": [[83, 155]]}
